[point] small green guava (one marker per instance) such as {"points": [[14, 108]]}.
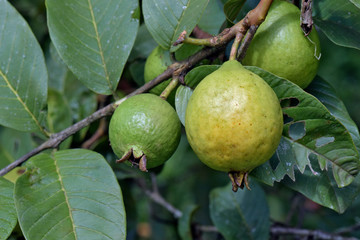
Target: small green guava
{"points": [[280, 46], [233, 121], [157, 62], [145, 130]]}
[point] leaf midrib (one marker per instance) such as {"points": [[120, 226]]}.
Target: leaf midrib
{"points": [[100, 46], [21, 101], [242, 216], [65, 194]]}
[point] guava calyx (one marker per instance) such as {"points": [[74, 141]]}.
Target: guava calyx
{"points": [[135, 159], [239, 180]]}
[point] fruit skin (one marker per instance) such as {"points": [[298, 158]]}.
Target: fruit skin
{"points": [[157, 62], [148, 125], [280, 47], [233, 119]]}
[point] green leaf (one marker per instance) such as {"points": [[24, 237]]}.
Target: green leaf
{"points": [[339, 20], [23, 76], [193, 78], [94, 38], [240, 215], [310, 131], [137, 69], [356, 3], [8, 218], [184, 225], [186, 50], [232, 9], [167, 19], [182, 97], [59, 114], [57, 69], [213, 18], [13, 145], [326, 94], [70, 194], [82, 101], [144, 44], [323, 189]]}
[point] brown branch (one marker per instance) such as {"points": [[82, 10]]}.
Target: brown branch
{"points": [[350, 229], [101, 130], [251, 21], [155, 196], [289, 231], [245, 45], [315, 234]]}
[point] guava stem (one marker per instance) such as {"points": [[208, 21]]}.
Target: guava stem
{"points": [[172, 85], [234, 48]]}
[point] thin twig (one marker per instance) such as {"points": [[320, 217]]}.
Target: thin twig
{"points": [[246, 43], [284, 230], [350, 229], [315, 234], [101, 130], [157, 198], [234, 48], [205, 228], [254, 17]]}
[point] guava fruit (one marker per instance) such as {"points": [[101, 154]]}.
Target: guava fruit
{"points": [[233, 121], [144, 130], [280, 46], [157, 62]]}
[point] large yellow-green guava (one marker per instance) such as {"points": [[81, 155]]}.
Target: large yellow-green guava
{"points": [[280, 46], [233, 121], [145, 130]]}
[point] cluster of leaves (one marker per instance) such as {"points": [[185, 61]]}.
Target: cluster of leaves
{"points": [[74, 193]]}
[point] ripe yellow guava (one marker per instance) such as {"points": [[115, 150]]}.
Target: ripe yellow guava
{"points": [[145, 130], [280, 46], [233, 121]]}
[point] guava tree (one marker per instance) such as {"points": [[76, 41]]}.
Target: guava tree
{"points": [[69, 69]]}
